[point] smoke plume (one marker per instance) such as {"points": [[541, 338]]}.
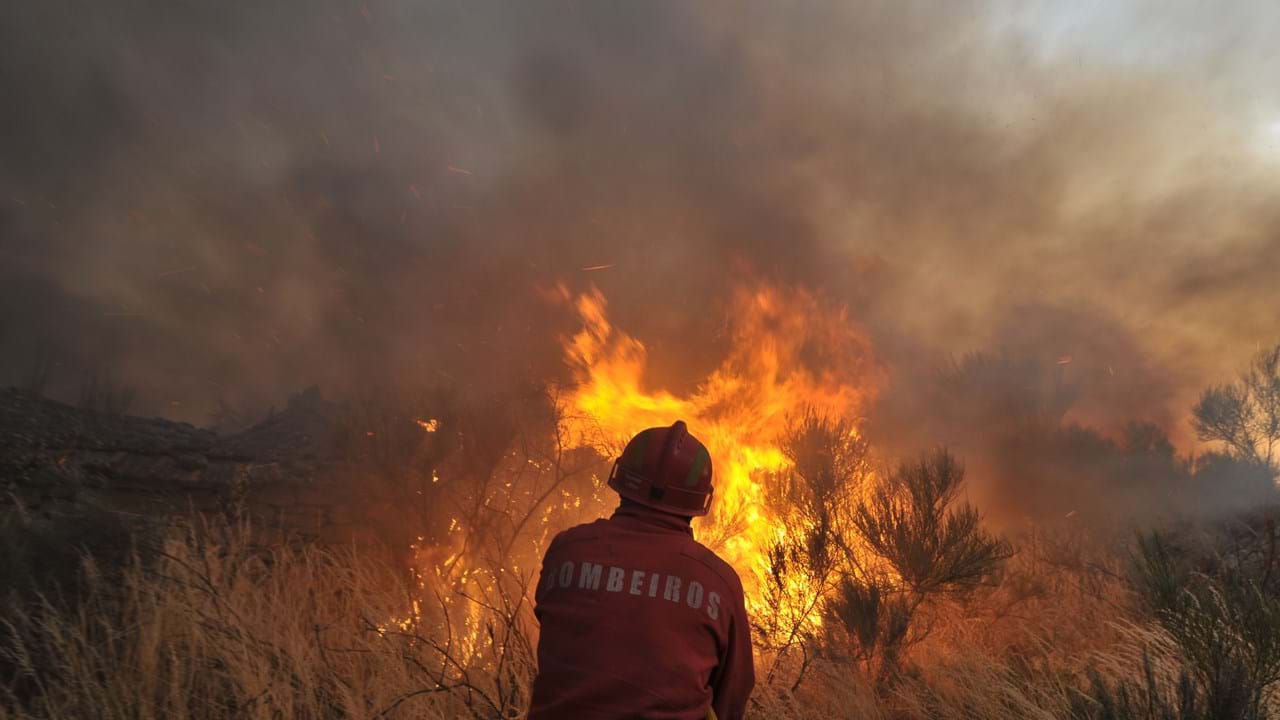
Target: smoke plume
{"points": [[227, 201]]}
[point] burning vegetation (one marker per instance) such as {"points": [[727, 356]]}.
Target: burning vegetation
{"points": [[971, 303], [874, 586]]}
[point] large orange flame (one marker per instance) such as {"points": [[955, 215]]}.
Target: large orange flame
{"points": [[788, 353]]}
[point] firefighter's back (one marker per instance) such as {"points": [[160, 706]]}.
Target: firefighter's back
{"points": [[636, 618]]}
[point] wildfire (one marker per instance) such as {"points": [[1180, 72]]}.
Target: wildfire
{"points": [[788, 353]]}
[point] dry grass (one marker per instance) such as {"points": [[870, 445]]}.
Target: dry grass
{"points": [[215, 625], [957, 682]]}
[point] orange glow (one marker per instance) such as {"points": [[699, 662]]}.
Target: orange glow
{"points": [[788, 353]]}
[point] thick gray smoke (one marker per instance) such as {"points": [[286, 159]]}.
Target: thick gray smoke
{"points": [[236, 199]]}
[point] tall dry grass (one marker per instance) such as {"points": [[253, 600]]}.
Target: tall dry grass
{"points": [[214, 625]]}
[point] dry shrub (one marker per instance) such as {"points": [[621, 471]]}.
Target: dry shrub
{"points": [[863, 563]]}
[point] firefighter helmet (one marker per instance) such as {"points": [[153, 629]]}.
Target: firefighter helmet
{"points": [[667, 469]]}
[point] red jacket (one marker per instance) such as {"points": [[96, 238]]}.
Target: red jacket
{"points": [[639, 621]]}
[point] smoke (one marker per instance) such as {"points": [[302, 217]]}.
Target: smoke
{"points": [[233, 200]]}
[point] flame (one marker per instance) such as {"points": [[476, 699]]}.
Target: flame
{"points": [[788, 353]]}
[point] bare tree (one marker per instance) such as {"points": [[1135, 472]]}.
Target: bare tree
{"points": [[1245, 415]]}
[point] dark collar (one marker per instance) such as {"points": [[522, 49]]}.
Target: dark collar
{"points": [[639, 515]]}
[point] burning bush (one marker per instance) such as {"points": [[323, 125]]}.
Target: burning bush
{"points": [[858, 560]]}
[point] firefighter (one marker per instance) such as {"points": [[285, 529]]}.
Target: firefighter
{"points": [[638, 619]]}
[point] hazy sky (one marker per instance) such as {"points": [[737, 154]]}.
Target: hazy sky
{"points": [[1226, 52], [237, 199]]}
